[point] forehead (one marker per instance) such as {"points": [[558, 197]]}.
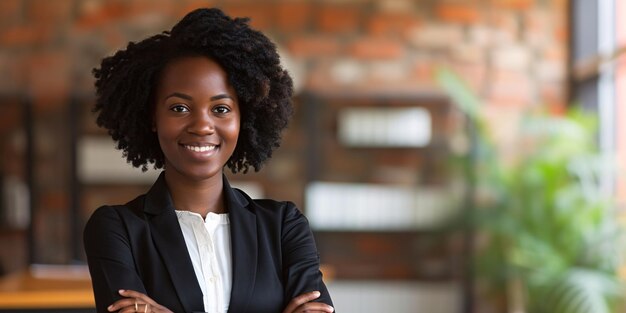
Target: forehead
{"points": [[193, 72]]}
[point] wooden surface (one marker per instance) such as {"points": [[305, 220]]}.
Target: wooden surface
{"points": [[49, 287]]}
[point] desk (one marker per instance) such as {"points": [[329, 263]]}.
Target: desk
{"points": [[47, 288]]}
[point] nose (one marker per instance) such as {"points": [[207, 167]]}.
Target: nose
{"points": [[201, 124]]}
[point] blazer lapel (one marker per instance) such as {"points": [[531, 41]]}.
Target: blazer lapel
{"points": [[169, 240], [244, 249]]}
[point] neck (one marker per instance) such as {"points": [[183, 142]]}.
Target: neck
{"points": [[195, 196]]}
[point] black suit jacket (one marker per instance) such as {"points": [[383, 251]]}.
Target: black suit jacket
{"points": [[140, 246]]}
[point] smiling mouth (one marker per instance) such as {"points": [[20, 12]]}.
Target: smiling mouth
{"points": [[200, 148]]}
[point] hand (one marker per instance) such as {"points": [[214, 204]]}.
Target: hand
{"points": [[302, 303], [134, 301]]}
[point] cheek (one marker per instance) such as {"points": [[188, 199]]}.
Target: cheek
{"points": [[234, 128], [166, 134], [167, 127]]}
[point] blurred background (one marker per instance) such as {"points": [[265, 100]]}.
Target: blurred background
{"points": [[451, 155]]}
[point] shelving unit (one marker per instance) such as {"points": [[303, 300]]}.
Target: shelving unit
{"points": [[100, 174], [383, 245], [16, 182]]}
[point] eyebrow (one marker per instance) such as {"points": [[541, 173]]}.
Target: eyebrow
{"points": [[190, 98]]}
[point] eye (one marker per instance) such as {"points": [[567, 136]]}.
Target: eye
{"points": [[221, 109], [179, 108]]}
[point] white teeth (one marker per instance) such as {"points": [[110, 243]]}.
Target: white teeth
{"points": [[200, 149]]}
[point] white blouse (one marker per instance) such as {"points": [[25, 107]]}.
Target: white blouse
{"points": [[208, 243]]}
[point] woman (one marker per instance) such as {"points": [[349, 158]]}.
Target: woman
{"points": [[208, 94]]}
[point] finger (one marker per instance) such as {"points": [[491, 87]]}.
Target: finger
{"points": [[141, 308], [122, 303], [300, 300], [128, 309], [133, 299], [315, 307], [141, 298]]}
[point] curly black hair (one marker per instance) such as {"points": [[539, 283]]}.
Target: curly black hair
{"points": [[126, 83]]}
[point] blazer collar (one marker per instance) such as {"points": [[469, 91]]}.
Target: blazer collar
{"points": [[244, 248], [169, 241], [168, 238]]}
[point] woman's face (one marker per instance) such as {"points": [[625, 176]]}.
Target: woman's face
{"points": [[196, 117]]}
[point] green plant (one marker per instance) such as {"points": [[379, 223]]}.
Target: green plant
{"points": [[550, 226]]}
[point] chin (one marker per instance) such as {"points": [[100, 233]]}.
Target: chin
{"points": [[202, 175]]}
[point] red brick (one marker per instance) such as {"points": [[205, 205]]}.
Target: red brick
{"points": [[435, 36], [514, 4], [292, 16], [561, 33], [472, 74], [50, 13], [510, 88], [537, 26], [468, 54], [338, 19], [182, 10], [505, 26], [546, 70], [24, 35], [512, 57], [391, 23], [114, 37], [48, 75], [458, 13], [371, 48], [563, 5], [143, 7], [261, 16], [424, 71], [553, 96], [10, 10], [538, 20], [404, 6], [313, 46], [388, 72], [93, 15]]}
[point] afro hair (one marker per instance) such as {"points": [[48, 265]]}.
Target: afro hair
{"points": [[126, 83]]}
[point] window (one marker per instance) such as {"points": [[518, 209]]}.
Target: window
{"points": [[599, 78]]}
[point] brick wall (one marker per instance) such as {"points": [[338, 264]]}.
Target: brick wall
{"points": [[511, 52]]}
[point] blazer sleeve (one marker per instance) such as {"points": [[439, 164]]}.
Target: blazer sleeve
{"points": [[301, 262], [110, 258]]}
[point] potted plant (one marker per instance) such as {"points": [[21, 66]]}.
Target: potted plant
{"points": [[552, 240]]}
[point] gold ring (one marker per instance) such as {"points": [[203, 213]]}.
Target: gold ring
{"points": [[135, 305]]}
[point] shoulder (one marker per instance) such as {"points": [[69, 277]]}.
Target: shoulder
{"points": [[284, 215], [269, 206], [107, 217]]}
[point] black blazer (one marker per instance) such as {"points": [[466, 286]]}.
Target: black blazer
{"points": [[140, 246]]}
